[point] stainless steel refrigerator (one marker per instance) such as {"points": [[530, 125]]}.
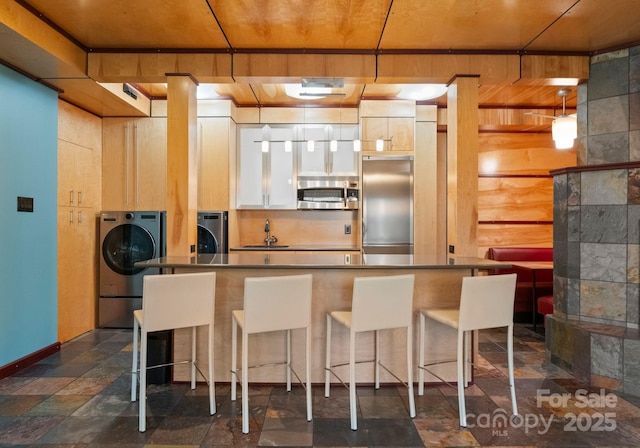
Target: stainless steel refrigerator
{"points": [[387, 205]]}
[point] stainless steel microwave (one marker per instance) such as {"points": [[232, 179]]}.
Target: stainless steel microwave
{"points": [[328, 194]]}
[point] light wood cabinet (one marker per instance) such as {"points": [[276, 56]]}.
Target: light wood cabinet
{"points": [[78, 169], [134, 166], [213, 163], [399, 129], [79, 202], [77, 271]]}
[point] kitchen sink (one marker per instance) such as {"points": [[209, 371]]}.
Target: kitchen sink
{"points": [[264, 246]]}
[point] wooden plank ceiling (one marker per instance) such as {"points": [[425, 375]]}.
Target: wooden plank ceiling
{"points": [[352, 27]]}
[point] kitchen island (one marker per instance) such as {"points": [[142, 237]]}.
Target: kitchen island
{"points": [[437, 284]]}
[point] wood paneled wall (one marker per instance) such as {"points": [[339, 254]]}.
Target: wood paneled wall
{"points": [[515, 189]]}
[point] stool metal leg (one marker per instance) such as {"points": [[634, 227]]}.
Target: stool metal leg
{"points": [[142, 413], [512, 386], [245, 382], [412, 405], [212, 384], [288, 367], [421, 356], [134, 362], [352, 380], [327, 363], [308, 367], [193, 357], [376, 338], [460, 362], [234, 357]]}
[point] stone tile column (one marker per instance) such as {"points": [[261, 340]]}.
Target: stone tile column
{"points": [[594, 329]]}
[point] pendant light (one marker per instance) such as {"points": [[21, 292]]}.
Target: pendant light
{"points": [[564, 129], [266, 137], [333, 143]]}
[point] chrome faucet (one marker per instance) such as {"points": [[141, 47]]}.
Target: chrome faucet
{"points": [[269, 240]]}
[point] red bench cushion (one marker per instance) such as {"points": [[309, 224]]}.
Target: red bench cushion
{"points": [[544, 280], [523, 254], [545, 305]]}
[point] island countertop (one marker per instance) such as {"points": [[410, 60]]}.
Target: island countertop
{"points": [[288, 260], [283, 248]]}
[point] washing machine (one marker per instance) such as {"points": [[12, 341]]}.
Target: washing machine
{"points": [[126, 238], [212, 232]]}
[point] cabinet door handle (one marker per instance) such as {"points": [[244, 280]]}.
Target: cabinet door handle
{"points": [[79, 216], [71, 197], [79, 197], [70, 216]]}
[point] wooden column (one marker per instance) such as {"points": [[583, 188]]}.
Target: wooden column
{"points": [[182, 192], [425, 185], [462, 166]]}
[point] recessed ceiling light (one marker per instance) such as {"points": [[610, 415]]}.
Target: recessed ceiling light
{"points": [[422, 92], [207, 92], [306, 93]]}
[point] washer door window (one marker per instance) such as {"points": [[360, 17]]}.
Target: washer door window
{"points": [[125, 245], [207, 243]]}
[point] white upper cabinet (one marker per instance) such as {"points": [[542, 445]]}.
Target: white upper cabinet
{"points": [[265, 179], [318, 159], [344, 161], [313, 151]]}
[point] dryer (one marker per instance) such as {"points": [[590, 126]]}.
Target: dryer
{"points": [[212, 232], [126, 238]]}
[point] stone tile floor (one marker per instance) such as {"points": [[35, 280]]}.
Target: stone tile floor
{"points": [[79, 397]]}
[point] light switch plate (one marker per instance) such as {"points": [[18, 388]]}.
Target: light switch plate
{"points": [[25, 204]]}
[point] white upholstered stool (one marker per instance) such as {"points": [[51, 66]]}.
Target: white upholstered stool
{"points": [[378, 303], [271, 304], [485, 302], [170, 302]]}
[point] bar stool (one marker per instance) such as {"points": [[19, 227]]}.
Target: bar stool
{"points": [[378, 303], [485, 302], [271, 304], [170, 302]]}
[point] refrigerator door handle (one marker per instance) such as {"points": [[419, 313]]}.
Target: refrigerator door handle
{"points": [[364, 230]]}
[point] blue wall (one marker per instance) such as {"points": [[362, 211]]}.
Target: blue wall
{"points": [[28, 241]]}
